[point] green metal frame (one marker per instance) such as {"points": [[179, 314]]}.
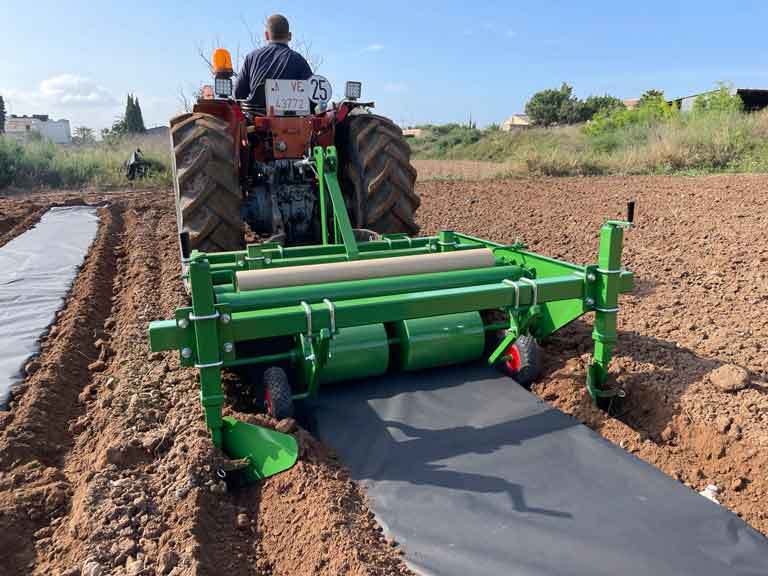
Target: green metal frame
{"points": [[540, 295]]}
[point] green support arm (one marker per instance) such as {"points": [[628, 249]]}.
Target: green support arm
{"points": [[327, 163]]}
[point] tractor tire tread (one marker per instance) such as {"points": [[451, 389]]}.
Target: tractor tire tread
{"points": [[206, 183], [377, 178]]}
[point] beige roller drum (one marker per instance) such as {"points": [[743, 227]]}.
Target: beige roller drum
{"points": [[365, 269]]}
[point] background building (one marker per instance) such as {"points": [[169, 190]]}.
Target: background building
{"points": [[516, 122], [754, 99], [20, 128]]}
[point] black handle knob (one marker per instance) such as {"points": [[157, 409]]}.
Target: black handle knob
{"points": [[631, 211], [184, 240]]}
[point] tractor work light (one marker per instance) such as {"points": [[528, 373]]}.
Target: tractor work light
{"points": [[352, 90], [223, 87]]}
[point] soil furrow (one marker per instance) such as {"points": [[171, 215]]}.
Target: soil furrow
{"points": [[36, 433]]}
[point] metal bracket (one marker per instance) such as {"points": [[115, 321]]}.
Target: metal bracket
{"points": [[535, 288], [308, 312], [213, 316], [332, 313], [514, 285], [210, 365]]}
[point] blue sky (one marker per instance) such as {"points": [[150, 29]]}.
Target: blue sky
{"points": [[421, 61]]}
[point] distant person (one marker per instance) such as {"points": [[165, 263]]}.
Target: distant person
{"points": [[275, 61], [136, 167], [207, 93]]}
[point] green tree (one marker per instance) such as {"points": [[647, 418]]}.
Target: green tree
{"points": [[544, 107], [651, 96], [604, 103], [2, 115], [83, 135], [134, 121], [560, 106]]}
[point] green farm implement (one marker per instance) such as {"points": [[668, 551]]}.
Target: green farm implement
{"points": [[341, 289], [346, 309]]}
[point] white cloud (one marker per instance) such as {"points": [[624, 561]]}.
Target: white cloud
{"points": [[374, 48], [73, 90], [396, 87], [81, 100]]}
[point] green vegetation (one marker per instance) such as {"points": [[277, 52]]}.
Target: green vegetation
{"points": [[86, 162], [42, 163], [132, 122], [2, 115], [653, 138], [558, 107]]}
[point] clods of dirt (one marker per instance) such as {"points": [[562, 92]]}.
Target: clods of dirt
{"points": [[106, 466]]}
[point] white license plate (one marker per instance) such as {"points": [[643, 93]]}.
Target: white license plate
{"points": [[287, 97]]}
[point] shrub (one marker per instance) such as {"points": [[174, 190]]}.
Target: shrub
{"points": [[724, 99], [649, 112]]}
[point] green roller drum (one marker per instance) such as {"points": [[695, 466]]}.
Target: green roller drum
{"points": [[440, 340], [357, 352]]}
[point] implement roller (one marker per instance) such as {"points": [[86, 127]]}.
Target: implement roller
{"points": [[345, 309]]}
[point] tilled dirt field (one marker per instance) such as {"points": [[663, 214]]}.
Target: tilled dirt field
{"points": [[106, 466]]}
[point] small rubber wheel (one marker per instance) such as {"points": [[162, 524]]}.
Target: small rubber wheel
{"points": [[278, 401], [522, 361]]}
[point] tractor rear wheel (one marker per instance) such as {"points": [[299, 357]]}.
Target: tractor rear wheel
{"points": [[206, 182], [376, 174]]}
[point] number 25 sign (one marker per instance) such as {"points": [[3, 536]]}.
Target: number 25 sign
{"points": [[292, 97]]}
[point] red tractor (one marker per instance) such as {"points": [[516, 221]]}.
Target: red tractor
{"points": [[235, 164]]}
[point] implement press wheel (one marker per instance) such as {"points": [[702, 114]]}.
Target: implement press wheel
{"points": [[278, 401], [522, 361]]}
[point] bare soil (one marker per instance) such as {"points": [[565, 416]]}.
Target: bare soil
{"points": [[700, 254], [105, 463], [106, 466], [459, 170]]}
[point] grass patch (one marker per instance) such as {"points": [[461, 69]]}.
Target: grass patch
{"points": [[102, 164], [705, 142]]}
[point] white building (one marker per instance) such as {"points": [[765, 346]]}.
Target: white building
{"points": [[516, 122], [20, 127]]}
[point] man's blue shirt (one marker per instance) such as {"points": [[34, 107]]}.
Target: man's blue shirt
{"points": [[275, 61]]}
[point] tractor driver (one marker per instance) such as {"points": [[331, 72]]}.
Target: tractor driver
{"points": [[275, 61]]}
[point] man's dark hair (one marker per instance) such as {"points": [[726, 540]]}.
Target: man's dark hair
{"points": [[277, 26]]}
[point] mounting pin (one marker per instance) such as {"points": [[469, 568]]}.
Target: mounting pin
{"points": [[588, 301], [225, 318], [186, 352], [228, 347], [183, 323]]}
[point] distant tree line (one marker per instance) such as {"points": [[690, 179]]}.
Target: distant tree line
{"points": [[560, 106]]}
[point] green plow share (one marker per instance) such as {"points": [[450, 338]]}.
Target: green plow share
{"points": [[346, 310]]}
